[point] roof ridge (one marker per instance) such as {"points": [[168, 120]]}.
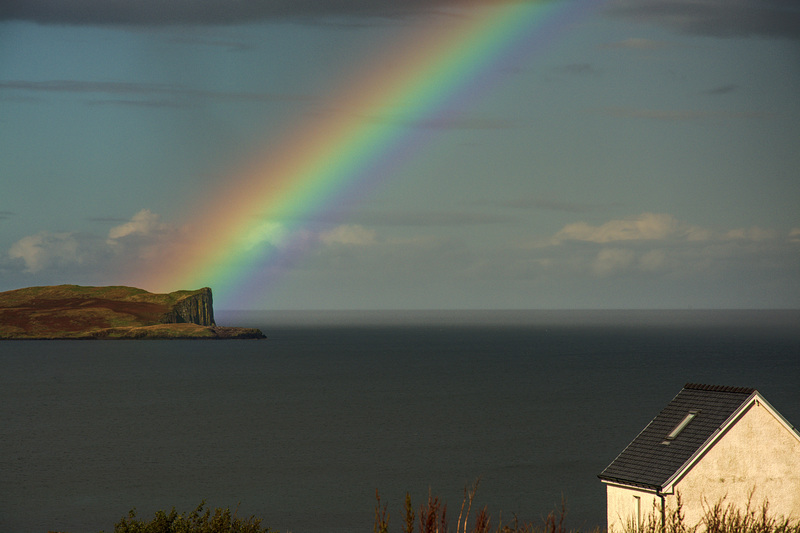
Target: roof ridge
{"points": [[719, 388]]}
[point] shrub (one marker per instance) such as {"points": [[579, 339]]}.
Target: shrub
{"points": [[729, 519], [197, 521]]}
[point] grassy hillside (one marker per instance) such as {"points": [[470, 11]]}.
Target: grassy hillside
{"points": [[74, 311]]}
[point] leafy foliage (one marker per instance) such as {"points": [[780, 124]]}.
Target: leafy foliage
{"points": [[198, 521]]}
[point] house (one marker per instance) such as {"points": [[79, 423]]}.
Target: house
{"points": [[710, 444]]}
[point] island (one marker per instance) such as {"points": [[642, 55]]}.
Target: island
{"points": [[114, 312]]}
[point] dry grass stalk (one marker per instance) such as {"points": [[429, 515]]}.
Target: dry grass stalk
{"points": [[381, 524], [469, 495]]}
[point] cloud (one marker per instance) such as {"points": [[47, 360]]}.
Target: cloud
{"points": [[142, 238], [46, 250], [212, 12], [349, 234], [661, 245], [647, 226], [658, 227], [5, 215], [653, 261], [612, 260], [143, 223], [729, 18], [265, 233], [754, 234]]}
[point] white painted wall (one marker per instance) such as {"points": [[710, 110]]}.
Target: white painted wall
{"points": [[627, 505]]}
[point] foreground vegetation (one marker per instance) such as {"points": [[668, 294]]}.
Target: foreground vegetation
{"points": [[718, 518], [198, 521], [432, 517]]}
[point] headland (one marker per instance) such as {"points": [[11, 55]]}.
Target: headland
{"points": [[114, 312]]}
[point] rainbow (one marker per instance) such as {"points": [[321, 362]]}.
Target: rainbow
{"points": [[259, 219]]}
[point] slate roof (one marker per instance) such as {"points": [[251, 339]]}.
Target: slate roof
{"points": [[648, 462]]}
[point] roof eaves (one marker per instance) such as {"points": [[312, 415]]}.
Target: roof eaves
{"points": [[627, 483]]}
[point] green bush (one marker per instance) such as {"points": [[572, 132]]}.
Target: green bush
{"points": [[197, 521]]}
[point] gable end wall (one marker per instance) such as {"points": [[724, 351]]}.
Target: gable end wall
{"points": [[758, 456]]}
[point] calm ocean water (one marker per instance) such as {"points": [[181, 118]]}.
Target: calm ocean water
{"points": [[302, 428]]}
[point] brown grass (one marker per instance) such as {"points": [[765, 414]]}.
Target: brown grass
{"points": [[721, 517], [433, 518]]}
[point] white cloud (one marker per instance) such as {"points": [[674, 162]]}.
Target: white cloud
{"points": [[46, 250], [143, 237], [349, 234], [610, 261], [653, 261], [267, 232], [647, 226], [661, 245], [656, 227], [143, 223]]}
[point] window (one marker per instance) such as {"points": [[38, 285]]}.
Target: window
{"points": [[637, 512], [680, 427]]}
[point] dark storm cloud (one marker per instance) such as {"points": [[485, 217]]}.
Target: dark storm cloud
{"points": [[730, 18], [212, 12]]}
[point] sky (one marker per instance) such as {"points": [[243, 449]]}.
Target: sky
{"points": [[621, 154]]}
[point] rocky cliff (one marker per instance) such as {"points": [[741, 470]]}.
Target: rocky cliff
{"points": [[76, 312], [196, 307]]}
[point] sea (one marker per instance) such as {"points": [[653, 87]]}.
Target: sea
{"points": [[307, 428]]}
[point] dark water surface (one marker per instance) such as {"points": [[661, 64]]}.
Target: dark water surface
{"points": [[302, 428]]}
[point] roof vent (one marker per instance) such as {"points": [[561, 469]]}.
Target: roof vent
{"points": [[680, 427]]}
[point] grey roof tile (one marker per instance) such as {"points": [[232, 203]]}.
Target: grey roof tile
{"points": [[647, 462]]}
